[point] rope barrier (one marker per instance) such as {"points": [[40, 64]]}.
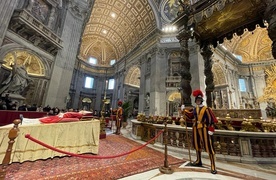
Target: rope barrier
{"points": [[28, 136]]}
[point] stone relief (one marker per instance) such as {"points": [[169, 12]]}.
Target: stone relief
{"points": [[40, 9]]}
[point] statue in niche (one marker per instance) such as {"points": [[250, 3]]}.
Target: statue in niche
{"points": [[17, 81], [52, 17], [147, 99], [244, 102], [256, 103], [30, 5], [217, 101], [40, 10]]}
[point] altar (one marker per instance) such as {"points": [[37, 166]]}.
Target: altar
{"points": [[74, 137]]}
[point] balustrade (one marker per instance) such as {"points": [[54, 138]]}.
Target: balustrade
{"points": [[253, 147]]}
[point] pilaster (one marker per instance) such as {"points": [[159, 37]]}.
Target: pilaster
{"points": [[197, 67], [158, 85], [6, 11], [65, 59]]}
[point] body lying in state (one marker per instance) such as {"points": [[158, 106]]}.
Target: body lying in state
{"points": [[61, 117]]}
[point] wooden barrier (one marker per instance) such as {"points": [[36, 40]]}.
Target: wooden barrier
{"points": [[12, 135]]}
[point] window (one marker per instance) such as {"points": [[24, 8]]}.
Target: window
{"points": [[92, 60], [112, 62], [239, 57], [242, 85], [89, 81], [111, 84]]}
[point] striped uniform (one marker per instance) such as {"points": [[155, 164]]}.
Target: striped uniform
{"points": [[204, 122], [201, 138], [119, 119]]}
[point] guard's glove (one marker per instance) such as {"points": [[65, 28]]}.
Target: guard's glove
{"points": [[211, 130], [182, 107]]}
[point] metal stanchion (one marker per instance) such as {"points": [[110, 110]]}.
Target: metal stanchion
{"points": [[166, 169], [187, 139]]}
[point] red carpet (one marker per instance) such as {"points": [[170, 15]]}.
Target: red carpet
{"points": [[79, 168]]}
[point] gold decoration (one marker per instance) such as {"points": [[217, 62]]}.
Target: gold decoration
{"points": [[219, 125], [33, 64], [267, 126], [249, 125], [270, 89], [141, 117], [182, 121]]}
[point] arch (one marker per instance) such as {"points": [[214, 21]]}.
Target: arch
{"points": [[174, 96], [132, 77], [156, 14], [33, 63], [86, 100]]}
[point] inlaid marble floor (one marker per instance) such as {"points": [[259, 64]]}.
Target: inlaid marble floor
{"points": [[226, 170]]}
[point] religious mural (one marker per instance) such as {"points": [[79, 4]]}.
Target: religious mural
{"points": [[169, 9], [40, 10]]}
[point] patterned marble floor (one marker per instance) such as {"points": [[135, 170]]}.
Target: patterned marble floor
{"points": [[226, 170]]}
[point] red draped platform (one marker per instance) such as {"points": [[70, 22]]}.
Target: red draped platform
{"points": [[7, 117]]}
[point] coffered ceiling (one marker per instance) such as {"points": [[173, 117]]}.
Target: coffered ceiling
{"points": [[114, 28]]}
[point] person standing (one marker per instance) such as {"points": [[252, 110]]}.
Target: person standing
{"points": [[203, 130], [119, 116]]}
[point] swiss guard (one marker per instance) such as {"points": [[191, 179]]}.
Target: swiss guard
{"points": [[203, 130], [119, 116]]}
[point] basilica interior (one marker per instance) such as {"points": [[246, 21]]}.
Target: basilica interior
{"points": [[90, 54], [78, 53]]}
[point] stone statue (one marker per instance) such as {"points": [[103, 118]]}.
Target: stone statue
{"points": [[30, 5], [147, 100], [17, 81], [51, 21]]}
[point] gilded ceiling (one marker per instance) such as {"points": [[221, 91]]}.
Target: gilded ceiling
{"points": [[114, 28], [253, 46]]}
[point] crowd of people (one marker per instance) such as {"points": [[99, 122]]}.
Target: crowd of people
{"points": [[7, 104]]}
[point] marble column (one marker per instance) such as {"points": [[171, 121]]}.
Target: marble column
{"points": [[209, 81], [6, 11], [142, 92], [185, 86], [270, 17], [157, 89]]}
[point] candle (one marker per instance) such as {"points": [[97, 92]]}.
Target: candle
{"points": [[106, 83]]}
